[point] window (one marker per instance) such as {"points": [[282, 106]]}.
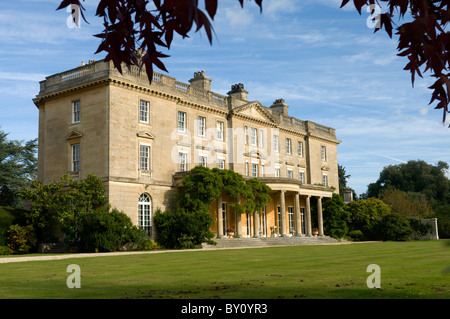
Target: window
{"points": [[224, 216], [75, 157], [254, 170], [323, 150], [264, 222], [253, 136], [144, 157], [182, 160], [303, 219], [144, 111], [300, 149], [201, 126], [202, 160], [245, 135], [302, 176], [290, 173], [219, 131], [261, 139], [76, 111], [275, 143], [262, 170], [288, 146], [246, 169], [144, 213], [221, 163], [277, 172], [181, 122], [291, 219], [325, 180]]}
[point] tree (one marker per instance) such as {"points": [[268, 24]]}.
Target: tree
{"points": [[407, 204], [135, 30], [424, 40], [335, 217], [343, 177], [18, 165]]}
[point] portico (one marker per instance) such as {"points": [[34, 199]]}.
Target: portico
{"points": [[287, 214]]}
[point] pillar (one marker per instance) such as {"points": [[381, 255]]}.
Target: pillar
{"points": [[283, 214], [320, 215], [308, 216], [297, 219], [220, 233], [238, 224], [256, 225]]}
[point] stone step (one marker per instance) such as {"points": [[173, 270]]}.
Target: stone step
{"points": [[267, 242]]}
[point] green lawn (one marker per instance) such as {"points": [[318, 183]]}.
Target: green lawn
{"points": [[408, 270]]}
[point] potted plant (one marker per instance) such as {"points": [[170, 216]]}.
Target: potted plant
{"points": [[230, 232], [315, 231]]}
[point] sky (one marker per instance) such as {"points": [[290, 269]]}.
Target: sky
{"points": [[326, 62]]}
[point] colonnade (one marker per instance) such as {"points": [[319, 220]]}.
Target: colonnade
{"points": [[283, 227]]}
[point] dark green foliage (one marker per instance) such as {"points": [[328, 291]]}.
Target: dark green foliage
{"points": [[180, 229], [100, 230], [18, 165], [335, 217], [21, 239], [4, 250], [394, 227]]}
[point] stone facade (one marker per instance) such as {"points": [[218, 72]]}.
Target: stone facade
{"points": [[140, 137]]}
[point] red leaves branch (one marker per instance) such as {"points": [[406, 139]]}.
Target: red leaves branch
{"points": [[134, 30], [423, 41]]}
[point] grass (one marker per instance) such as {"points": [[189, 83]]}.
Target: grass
{"points": [[409, 270]]}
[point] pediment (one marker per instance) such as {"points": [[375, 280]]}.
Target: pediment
{"points": [[145, 134], [74, 134], [254, 110]]}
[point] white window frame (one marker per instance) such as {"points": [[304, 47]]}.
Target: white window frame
{"points": [[76, 111], [300, 149], [144, 159], [145, 213], [276, 143], [290, 173], [253, 136], [247, 170], [277, 171], [301, 175], [254, 169], [201, 126], [325, 179], [182, 121], [203, 160], [76, 152], [291, 219], [144, 111], [261, 138], [221, 163], [263, 170], [288, 146], [182, 161], [219, 126], [245, 135], [323, 151]]}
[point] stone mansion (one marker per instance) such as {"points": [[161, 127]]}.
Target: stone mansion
{"points": [[141, 138]]}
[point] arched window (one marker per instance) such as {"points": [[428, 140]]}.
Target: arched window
{"points": [[145, 213]]}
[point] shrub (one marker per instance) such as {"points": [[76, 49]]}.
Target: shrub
{"points": [[395, 227], [100, 230], [4, 250], [356, 235], [335, 217], [21, 239], [181, 229]]}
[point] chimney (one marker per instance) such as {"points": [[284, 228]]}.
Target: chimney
{"points": [[201, 81], [280, 106], [237, 91]]}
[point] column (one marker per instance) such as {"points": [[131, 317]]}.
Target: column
{"points": [[308, 216], [238, 224], [256, 224], [220, 233], [283, 214], [297, 219], [319, 215]]}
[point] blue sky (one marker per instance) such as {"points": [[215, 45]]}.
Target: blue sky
{"points": [[325, 62]]}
